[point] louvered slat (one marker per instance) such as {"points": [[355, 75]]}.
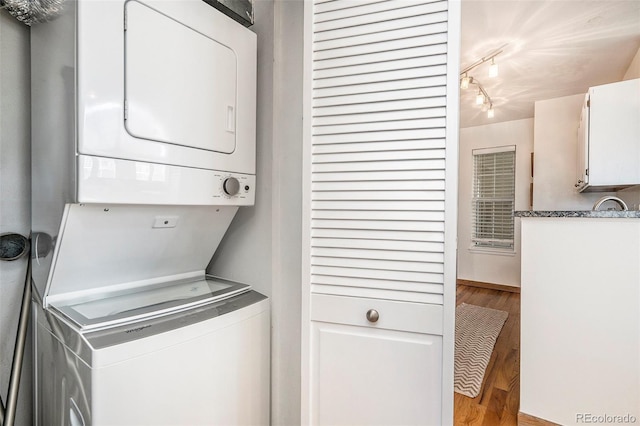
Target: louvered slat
{"points": [[388, 175], [379, 99], [378, 215], [377, 283], [371, 117], [431, 68], [362, 8], [388, 265], [410, 256], [388, 87], [417, 246], [428, 16], [384, 46], [373, 107], [378, 224], [374, 195], [330, 6], [397, 34], [392, 235], [345, 157], [375, 61], [378, 149], [384, 186], [363, 22], [377, 166], [402, 296]]}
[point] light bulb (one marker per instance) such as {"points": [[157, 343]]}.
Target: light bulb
{"points": [[464, 81], [479, 98], [490, 112], [493, 68]]}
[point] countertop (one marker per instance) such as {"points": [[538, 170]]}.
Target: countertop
{"points": [[578, 213]]}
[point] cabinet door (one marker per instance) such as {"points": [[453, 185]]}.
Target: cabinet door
{"points": [[614, 132], [582, 158], [369, 376]]}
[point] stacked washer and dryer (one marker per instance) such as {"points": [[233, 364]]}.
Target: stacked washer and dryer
{"points": [[143, 150]]}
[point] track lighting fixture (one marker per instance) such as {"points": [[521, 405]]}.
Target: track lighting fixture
{"points": [[482, 98]]}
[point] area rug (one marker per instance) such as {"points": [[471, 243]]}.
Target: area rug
{"points": [[477, 329]]}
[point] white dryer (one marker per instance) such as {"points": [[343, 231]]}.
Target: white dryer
{"points": [[155, 100]]}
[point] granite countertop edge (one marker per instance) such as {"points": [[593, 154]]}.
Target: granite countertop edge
{"points": [[578, 213]]}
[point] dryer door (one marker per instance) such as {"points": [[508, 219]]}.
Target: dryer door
{"points": [[166, 63]]}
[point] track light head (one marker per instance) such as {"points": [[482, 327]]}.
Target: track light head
{"points": [[493, 68], [465, 81]]}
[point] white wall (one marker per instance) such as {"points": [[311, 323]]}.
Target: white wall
{"points": [[483, 267], [15, 194], [555, 146], [632, 195], [263, 244]]}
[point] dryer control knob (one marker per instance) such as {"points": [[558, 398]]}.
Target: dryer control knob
{"points": [[231, 186]]}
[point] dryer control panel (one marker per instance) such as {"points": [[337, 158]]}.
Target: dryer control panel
{"points": [[235, 189]]}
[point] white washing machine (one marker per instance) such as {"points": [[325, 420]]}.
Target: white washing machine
{"points": [[143, 149], [189, 352]]}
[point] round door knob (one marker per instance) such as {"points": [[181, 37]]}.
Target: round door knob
{"points": [[231, 186], [372, 315]]}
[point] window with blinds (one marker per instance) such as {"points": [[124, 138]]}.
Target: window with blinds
{"points": [[493, 197]]}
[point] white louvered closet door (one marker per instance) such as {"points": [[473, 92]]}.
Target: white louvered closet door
{"points": [[379, 226]]}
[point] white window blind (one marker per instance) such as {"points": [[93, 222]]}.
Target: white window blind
{"points": [[493, 197]]}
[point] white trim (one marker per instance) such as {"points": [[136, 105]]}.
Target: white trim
{"points": [[493, 150], [451, 207], [305, 331], [495, 251]]}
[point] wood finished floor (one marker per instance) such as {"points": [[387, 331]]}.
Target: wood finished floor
{"points": [[499, 398]]}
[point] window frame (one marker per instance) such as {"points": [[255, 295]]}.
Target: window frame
{"points": [[499, 248]]}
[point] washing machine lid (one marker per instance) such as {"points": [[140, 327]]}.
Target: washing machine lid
{"points": [[100, 247], [131, 305]]}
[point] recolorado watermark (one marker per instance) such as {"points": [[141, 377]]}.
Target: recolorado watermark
{"points": [[606, 418]]}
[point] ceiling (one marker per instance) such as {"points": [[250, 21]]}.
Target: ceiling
{"points": [[554, 48]]}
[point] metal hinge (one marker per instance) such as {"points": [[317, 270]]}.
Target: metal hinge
{"points": [[588, 102], [125, 19], [586, 172], [126, 109]]}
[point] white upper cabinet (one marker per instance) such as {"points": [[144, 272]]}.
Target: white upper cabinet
{"points": [[609, 138]]}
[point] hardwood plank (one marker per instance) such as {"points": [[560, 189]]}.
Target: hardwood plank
{"points": [[528, 420], [499, 400], [467, 412], [489, 286], [495, 408]]}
